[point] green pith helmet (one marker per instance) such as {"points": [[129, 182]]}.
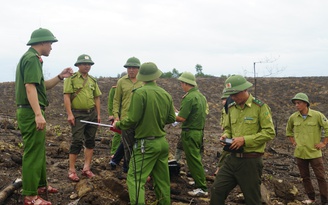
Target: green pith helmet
{"points": [[132, 62], [235, 84], [302, 97], [188, 77], [84, 58], [148, 72], [41, 35]]}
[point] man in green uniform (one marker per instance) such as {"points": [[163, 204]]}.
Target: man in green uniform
{"points": [[116, 139], [192, 114], [82, 102], [249, 124], [304, 131], [150, 110], [122, 99], [31, 100]]}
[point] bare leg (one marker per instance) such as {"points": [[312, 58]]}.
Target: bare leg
{"points": [[87, 158], [72, 160]]}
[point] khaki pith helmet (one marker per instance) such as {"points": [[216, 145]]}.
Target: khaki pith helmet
{"points": [[148, 72], [41, 35], [188, 77], [84, 58], [303, 97], [235, 84], [132, 62]]}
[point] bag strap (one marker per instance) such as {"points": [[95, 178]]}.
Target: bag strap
{"points": [[73, 95]]}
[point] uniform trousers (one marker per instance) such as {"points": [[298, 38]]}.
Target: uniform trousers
{"points": [[319, 172], [116, 141], [153, 161], [245, 172], [34, 155], [192, 141]]}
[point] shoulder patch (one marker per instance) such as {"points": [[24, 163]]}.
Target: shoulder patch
{"points": [[93, 78], [74, 75], [258, 102]]}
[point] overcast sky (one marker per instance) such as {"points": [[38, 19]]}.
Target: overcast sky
{"points": [[285, 37]]}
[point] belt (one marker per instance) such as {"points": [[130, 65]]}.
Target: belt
{"points": [[187, 129], [247, 155], [29, 106], [84, 110]]}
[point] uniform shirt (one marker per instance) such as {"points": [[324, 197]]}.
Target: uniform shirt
{"points": [[307, 133], [253, 122], [29, 71], [110, 100], [223, 116], [123, 95], [85, 98], [194, 109], [150, 110]]}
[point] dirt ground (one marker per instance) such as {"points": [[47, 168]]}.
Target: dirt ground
{"points": [[109, 186]]}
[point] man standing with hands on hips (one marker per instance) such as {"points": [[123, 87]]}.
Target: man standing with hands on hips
{"points": [[304, 131], [31, 100]]}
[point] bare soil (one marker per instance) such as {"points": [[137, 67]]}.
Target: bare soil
{"points": [[109, 186]]}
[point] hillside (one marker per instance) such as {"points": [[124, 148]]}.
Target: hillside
{"points": [[276, 92]]}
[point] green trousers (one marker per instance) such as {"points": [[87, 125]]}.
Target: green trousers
{"points": [[245, 172], [116, 141], [192, 141], [153, 162], [34, 155]]}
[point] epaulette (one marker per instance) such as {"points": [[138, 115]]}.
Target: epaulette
{"points": [[93, 78], [74, 75], [114, 86], [258, 102], [232, 104], [185, 95]]}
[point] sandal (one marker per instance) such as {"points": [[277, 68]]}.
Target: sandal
{"points": [[308, 201], [88, 173], [73, 176], [51, 190], [34, 201]]}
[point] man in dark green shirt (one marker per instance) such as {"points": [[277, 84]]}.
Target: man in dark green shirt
{"points": [[31, 100], [150, 110], [192, 114]]}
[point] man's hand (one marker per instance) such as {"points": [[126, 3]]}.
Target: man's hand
{"points": [[237, 143], [67, 72], [71, 119], [40, 122]]}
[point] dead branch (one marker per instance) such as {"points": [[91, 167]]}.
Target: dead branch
{"points": [[6, 192]]}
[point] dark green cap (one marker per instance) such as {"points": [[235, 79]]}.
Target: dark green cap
{"points": [[148, 72], [84, 58], [41, 35]]}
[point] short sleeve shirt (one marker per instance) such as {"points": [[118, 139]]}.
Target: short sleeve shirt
{"points": [[253, 122], [193, 108], [29, 71], [85, 97], [307, 133]]}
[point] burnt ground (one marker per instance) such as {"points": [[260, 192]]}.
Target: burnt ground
{"points": [[109, 186]]}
